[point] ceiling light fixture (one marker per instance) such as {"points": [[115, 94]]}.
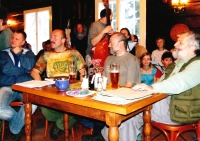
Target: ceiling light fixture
{"points": [[179, 5]]}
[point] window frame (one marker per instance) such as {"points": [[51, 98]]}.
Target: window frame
{"points": [[142, 23], [38, 45]]}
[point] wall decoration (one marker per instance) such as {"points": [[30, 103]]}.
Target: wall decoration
{"points": [[177, 29]]}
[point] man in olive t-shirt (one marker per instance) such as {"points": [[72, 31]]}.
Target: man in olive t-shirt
{"points": [[129, 74]]}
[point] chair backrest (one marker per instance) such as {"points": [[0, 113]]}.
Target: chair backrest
{"points": [[176, 130], [16, 103]]}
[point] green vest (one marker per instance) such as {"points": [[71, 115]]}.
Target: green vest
{"points": [[185, 107]]}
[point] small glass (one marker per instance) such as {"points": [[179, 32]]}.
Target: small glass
{"points": [[114, 75], [99, 87]]}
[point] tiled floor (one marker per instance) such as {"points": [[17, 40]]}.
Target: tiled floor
{"points": [[38, 132]]}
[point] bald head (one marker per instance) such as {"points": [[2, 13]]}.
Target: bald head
{"points": [[61, 32], [118, 43], [58, 39], [120, 37]]}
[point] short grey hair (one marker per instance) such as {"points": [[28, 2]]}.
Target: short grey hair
{"points": [[193, 39]]}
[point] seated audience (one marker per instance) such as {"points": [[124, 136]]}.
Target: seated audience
{"points": [[27, 45], [167, 59], [148, 73], [173, 51], [15, 66], [139, 49], [131, 44], [146, 69], [156, 54], [46, 47], [133, 47], [126, 33], [56, 62], [181, 82]]}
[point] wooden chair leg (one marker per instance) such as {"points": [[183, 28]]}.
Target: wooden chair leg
{"points": [[2, 130], [46, 127], [72, 132], [91, 131]]}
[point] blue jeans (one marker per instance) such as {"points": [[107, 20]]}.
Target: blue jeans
{"points": [[16, 119]]}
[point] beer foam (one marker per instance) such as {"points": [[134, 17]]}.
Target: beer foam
{"points": [[114, 71], [72, 73]]}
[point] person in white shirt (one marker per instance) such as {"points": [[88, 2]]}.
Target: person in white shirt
{"points": [[157, 54]]}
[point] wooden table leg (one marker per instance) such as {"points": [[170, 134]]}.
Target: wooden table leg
{"points": [[147, 123], [28, 109], [113, 120], [66, 127]]}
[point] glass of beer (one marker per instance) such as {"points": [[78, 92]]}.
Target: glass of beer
{"points": [[72, 70], [114, 75], [72, 73]]}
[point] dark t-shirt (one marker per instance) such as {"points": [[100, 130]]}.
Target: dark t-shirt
{"points": [[81, 45]]}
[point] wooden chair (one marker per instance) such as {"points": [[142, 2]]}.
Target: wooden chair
{"points": [[172, 132], [72, 130], [13, 104], [46, 129]]}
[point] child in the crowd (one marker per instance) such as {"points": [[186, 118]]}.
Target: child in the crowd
{"points": [[148, 75], [166, 59], [146, 69], [156, 54]]}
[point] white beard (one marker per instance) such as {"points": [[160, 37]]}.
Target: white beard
{"points": [[181, 54]]}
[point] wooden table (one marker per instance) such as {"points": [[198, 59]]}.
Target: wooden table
{"points": [[112, 114]]}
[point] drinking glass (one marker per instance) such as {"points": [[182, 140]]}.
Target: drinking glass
{"points": [[72, 73], [114, 75], [72, 70]]}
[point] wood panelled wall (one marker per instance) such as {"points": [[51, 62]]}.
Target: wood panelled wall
{"points": [[62, 10], [160, 16]]}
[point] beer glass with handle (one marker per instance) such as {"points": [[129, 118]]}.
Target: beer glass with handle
{"points": [[114, 75]]}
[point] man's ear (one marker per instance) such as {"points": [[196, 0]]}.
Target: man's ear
{"points": [[23, 42], [121, 44], [64, 40]]}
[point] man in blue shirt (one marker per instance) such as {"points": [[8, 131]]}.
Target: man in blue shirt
{"points": [[15, 65]]}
